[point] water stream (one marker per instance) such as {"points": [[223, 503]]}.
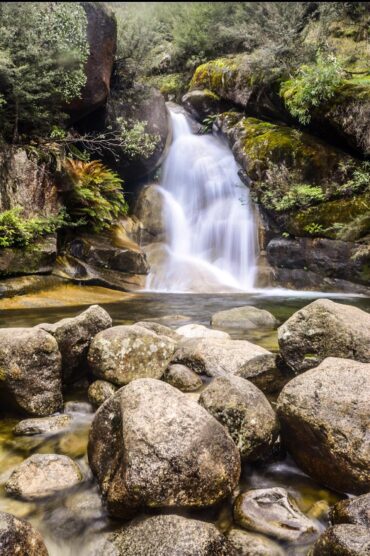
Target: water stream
{"points": [[210, 231]]}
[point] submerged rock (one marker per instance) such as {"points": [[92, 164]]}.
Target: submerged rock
{"points": [[19, 538], [30, 364], [169, 535], [272, 512], [343, 540], [183, 378], [99, 391], [74, 336], [244, 318], [324, 329], [200, 331], [325, 413], [124, 353], [43, 425], [43, 475], [152, 446], [245, 412], [251, 544], [355, 511]]}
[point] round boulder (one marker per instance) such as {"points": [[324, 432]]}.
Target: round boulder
{"points": [[343, 540], [244, 318], [245, 412], [325, 414], [152, 446], [18, 537], [99, 391], [182, 378], [251, 544]]}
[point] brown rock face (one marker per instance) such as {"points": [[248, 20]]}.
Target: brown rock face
{"points": [[343, 540], [325, 414], [19, 537], [355, 511]]}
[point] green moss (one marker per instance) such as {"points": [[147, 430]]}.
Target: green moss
{"points": [[215, 75], [172, 85]]}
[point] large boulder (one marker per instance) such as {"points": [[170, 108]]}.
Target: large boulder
{"points": [[18, 537], [343, 540], [244, 318], [30, 365], [355, 511], [245, 412], [74, 336], [324, 329], [324, 414], [170, 535], [152, 446], [37, 258], [149, 209], [200, 331], [124, 353]]}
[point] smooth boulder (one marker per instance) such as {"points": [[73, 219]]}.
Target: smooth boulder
{"points": [[245, 412], [324, 329], [343, 540], [266, 371], [325, 415], [160, 329], [30, 365], [152, 446], [200, 331], [19, 538], [182, 378], [149, 209], [99, 391], [74, 336], [251, 544], [355, 511], [244, 318], [43, 425], [124, 353]]}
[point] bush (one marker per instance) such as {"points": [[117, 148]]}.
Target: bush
{"points": [[17, 231], [299, 196]]}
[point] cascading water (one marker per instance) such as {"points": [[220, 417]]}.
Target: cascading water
{"points": [[210, 231]]}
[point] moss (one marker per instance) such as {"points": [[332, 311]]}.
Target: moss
{"points": [[216, 75], [172, 85]]}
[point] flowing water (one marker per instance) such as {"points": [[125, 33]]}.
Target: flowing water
{"points": [[210, 231]]}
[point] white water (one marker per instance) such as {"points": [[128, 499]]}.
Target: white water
{"points": [[210, 232]]}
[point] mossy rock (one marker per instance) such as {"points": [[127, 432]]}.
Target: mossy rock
{"points": [[171, 85]]}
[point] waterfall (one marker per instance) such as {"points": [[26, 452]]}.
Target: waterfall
{"points": [[210, 243]]}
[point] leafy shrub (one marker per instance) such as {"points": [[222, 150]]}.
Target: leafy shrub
{"points": [[314, 229], [18, 231], [94, 194], [359, 181], [135, 141], [299, 196]]}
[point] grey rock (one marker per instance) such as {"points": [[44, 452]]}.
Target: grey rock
{"points": [[42, 425], [355, 511], [266, 372], [244, 318], [99, 391], [182, 378], [201, 103], [160, 329], [18, 537], [200, 331], [251, 544], [343, 540]]}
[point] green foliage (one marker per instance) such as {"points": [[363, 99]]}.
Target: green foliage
{"points": [[18, 231], [314, 229], [299, 196], [359, 182], [312, 85], [94, 194], [207, 123], [135, 141]]}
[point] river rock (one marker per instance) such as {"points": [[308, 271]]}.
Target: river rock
{"points": [[43, 475], [245, 412], [124, 353], [43, 425], [200, 331], [324, 329], [19, 538], [216, 357], [149, 209], [183, 378], [250, 544], [74, 336], [355, 511], [160, 329], [99, 391], [325, 415], [272, 512], [244, 318], [152, 446], [343, 540], [30, 364], [266, 372], [170, 535]]}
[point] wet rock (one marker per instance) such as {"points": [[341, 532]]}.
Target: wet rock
{"points": [[160, 329], [30, 376], [250, 544], [266, 372], [149, 209], [343, 540], [244, 318], [355, 511], [42, 425], [272, 512], [152, 446], [216, 357], [99, 391], [39, 258], [200, 331], [182, 378], [124, 353], [245, 412], [324, 415], [201, 103], [74, 336], [324, 329], [18, 537], [169, 535], [43, 475]]}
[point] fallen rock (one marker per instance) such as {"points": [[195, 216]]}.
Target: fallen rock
{"points": [[168, 535], [266, 372], [355, 511], [160, 329], [99, 391], [182, 378], [272, 512], [18, 537], [324, 414], [43, 425], [216, 357], [244, 318], [124, 353], [152, 446], [343, 540], [74, 336], [43, 475], [324, 329], [246, 414], [30, 364], [200, 331], [250, 544]]}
